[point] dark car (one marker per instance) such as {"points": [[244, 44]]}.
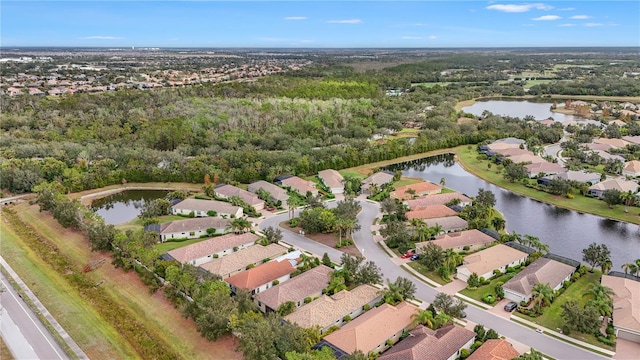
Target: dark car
{"points": [[415, 257], [510, 306], [463, 314]]}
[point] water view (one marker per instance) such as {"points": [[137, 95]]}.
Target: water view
{"points": [[518, 108], [566, 232], [124, 206]]}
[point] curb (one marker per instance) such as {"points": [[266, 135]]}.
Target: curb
{"points": [[44, 312]]}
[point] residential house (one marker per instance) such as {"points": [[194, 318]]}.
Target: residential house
{"points": [[448, 224], [484, 262], [262, 277], [617, 143], [201, 208], [204, 251], [377, 179], [546, 168], [277, 193], [237, 262], [631, 168], [512, 152], [620, 184], [333, 180], [542, 271], [626, 306], [620, 122], [300, 185], [307, 285], [438, 199], [331, 310], [191, 228], [495, 349], [426, 344], [471, 239], [526, 159], [632, 139], [228, 191], [420, 189], [430, 212], [371, 331], [572, 175]]}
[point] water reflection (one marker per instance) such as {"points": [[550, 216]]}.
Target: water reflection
{"points": [[124, 206]]}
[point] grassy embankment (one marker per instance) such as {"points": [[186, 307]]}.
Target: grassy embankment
{"points": [[552, 316], [151, 323], [468, 160]]}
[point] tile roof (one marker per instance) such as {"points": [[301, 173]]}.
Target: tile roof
{"points": [[372, 328], [495, 349], [541, 271], [276, 192], [626, 301], [490, 259], [327, 309], [261, 274], [195, 224], [306, 284], [581, 176], [448, 223], [299, 184], [512, 151], [620, 184], [211, 246], [618, 143], [246, 196], [206, 205], [421, 187], [429, 212], [461, 238], [436, 199], [240, 259], [379, 178], [632, 166], [427, 344], [331, 178], [526, 158], [543, 167]]}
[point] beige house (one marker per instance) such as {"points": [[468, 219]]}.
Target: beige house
{"points": [[237, 262], [370, 332], [542, 271], [377, 179], [620, 184], [626, 306], [438, 199], [204, 251], [631, 168], [448, 224], [474, 239], [306, 285], [426, 344], [328, 311], [333, 180], [484, 262], [545, 167], [192, 228], [277, 193], [228, 191], [300, 185], [201, 208]]}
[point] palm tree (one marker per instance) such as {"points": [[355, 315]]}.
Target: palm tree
{"points": [[436, 229], [443, 182], [442, 319], [606, 265], [416, 223], [451, 259], [293, 202], [637, 261], [629, 268], [424, 317], [543, 295], [388, 206], [350, 225], [239, 225], [628, 199], [601, 298], [340, 225]]}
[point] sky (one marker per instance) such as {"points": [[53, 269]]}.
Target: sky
{"points": [[320, 24]]}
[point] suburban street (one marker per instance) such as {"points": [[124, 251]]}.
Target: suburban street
{"points": [[364, 240], [22, 331]]}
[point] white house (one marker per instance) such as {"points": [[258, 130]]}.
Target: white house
{"points": [[192, 228], [205, 251], [497, 257], [201, 208], [333, 180], [542, 271]]}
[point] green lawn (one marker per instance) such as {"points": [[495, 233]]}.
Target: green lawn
{"points": [[431, 84], [171, 245], [468, 160], [552, 319], [428, 273], [407, 181], [352, 173], [136, 223], [478, 293]]}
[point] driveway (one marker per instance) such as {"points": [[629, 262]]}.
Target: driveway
{"points": [[364, 240]]}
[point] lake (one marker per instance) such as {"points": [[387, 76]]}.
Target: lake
{"points": [[566, 232], [518, 108], [124, 206]]}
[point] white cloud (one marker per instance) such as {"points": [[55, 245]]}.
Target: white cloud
{"points": [[547, 18], [411, 37], [593, 24], [349, 21], [433, 37], [294, 18], [100, 37], [567, 25], [566, 9], [513, 8], [580, 17]]}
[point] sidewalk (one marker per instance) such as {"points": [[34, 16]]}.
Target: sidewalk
{"points": [[43, 311]]}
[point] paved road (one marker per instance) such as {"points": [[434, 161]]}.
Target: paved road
{"points": [[365, 242], [21, 329]]}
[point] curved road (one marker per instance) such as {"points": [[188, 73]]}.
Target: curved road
{"points": [[364, 241]]}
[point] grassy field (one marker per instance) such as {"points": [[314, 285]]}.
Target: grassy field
{"points": [[478, 293], [552, 318], [431, 84], [468, 160], [432, 275], [91, 331], [136, 223], [407, 181]]}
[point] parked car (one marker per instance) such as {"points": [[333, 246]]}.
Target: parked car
{"points": [[510, 306], [270, 208], [407, 255], [463, 314], [415, 257]]}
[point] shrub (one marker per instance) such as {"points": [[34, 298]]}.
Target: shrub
{"points": [[466, 248], [192, 214], [565, 329], [294, 222], [497, 272], [610, 330], [211, 231], [566, 284], [366, 307], [576, 275], [212, 213], [346, 318], [476, 345], [307, 300], [488, 299], [235, 248], [276, 282], [215, 256], [464, 353], [250, 266], [570, 196], [604, 340]]}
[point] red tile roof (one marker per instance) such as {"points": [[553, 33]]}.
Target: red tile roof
{"points": [[494, 349], [430, 212], [420, 188], [261, 274], [427, 344]]}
